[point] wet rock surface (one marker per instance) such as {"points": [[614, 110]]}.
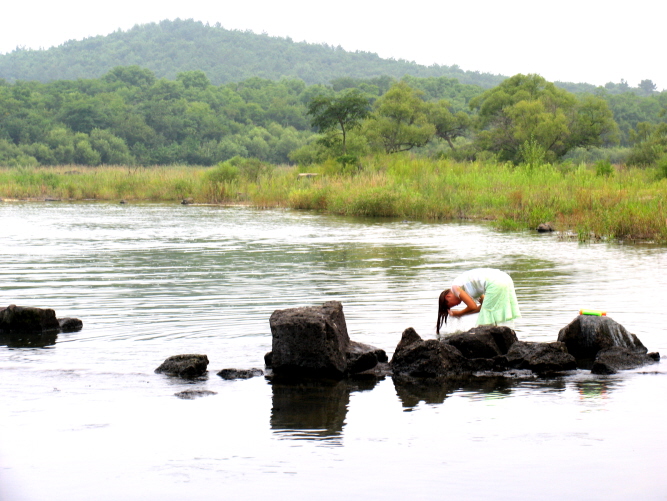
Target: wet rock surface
{"points": [[586, 335], [240, 373], [187, 366], [617, 358]]}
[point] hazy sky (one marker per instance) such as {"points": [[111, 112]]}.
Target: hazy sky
{"points": [[575, 41]]}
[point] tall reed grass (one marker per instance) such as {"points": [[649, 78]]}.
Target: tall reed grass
{"points": [[624, 204]]}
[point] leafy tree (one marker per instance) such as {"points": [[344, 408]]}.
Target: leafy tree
{"points": [[528, 108], [448, 126], [400, 121], [347, 111], [647, 87]]}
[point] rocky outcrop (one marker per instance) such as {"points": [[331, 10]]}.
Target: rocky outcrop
{"points": [[240, 373], [187, 366], [416, 357], [586, 335], [313, 341], [617, 358]]}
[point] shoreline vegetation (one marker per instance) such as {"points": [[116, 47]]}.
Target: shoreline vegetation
{"points": [[616, 202]]}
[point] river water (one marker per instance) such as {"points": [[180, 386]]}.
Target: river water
{"points": [[86, 418]]}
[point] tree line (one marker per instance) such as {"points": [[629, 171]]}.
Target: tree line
{"points": [[129, 116]]}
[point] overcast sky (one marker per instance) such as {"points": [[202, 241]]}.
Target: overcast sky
{"points": [[570, 40]]}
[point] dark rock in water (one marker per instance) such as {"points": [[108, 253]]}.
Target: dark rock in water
{"points": [[545, 227], [187, 366], [431, 358], [587, 334], [68, 324], [538, 357], [618, 358], [240, 373], [27, 319], [484, 341], [192, 394], [362, 357], [310, 341]]}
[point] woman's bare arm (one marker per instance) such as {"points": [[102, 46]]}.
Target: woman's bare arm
{"points": [[471, 305]]}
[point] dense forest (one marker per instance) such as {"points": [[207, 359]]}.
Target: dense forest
{"points": [[204, 95], [131, 117]]}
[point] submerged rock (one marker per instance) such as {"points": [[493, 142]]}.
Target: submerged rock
{"points": [[188, 366], [617, 358], [416, 357], [240, 373], [586, 335], [69, 324], [192, 394]]}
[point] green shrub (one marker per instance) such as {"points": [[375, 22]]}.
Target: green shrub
{"points": [[603, 168]]}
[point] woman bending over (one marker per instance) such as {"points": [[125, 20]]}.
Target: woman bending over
{"points": [[493, 289]]}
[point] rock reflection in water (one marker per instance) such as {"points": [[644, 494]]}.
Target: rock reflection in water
{"points": [[412, 391], [313, 409], [29, 339]]}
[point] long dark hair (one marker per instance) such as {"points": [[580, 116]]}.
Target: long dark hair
{"points": [[443, 310]]}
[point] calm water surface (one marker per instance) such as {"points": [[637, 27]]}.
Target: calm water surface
{"points": [[87, 419]]}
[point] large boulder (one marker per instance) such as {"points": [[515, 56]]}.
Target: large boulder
{"points": [[27, 319], [586, 335], [416, 357], [187, 366], [484, 341], [538, 357], [310, 340], [617, 358]]}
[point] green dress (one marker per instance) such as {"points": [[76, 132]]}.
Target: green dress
{"points": [[500, 303]]}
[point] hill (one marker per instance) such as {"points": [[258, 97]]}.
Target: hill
{"points": [[170, 47]]}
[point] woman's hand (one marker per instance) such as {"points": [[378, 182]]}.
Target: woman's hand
{"points": [[471, 305]]}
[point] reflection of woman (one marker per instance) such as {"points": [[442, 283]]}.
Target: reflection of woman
{"points": [[493, 289]]}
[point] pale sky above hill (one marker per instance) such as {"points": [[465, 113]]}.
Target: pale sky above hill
{"points": [[571, 40]]}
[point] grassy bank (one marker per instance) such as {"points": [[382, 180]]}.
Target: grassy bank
{"points": [[626, 204]]}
